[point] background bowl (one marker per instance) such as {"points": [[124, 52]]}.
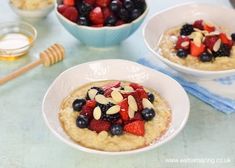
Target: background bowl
{"points": [[101, 37], [174, 16], [32, 14], [107, 70]]}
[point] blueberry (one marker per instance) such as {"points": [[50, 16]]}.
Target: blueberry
{"points": [[129, 5], [110, 117], [233, 36], [83, 21], [82, 121], [182, 53], [78, 103], [151, 97], [186, 29], [140, 4], [206, 57], [148, 114], [124, 14], [110, 21], [116, 129], [84, 9], [115, 6], [135, 14]]}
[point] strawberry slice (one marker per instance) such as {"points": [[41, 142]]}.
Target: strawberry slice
{"points": [[195, 50], [136, 128], [141, 93], [138, 100], [210, 41], [99, 125], [225, 40], [62, 8], [87, 111], [182, 40], [137, 117], [124, 110], [125, 95], [209, 28], [111, 85], [71, 13], [136, 86], [107, 92], [198, 24], [91, 2], [91, 103], [102, 3], [69, 2], [96, 16]]}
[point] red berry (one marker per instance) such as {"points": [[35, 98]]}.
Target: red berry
{"points": [[138, 100], [69, 2], [209, 28], [62, 8], [96, 16], [136, 128], [181, 40], [225, 40], [111, 85], [210, 41], [91, 2], [124, 110], [87, 111], [198, 24], [107, 13], [98, 25], [195, 50], [107, 92], [119, 23], [91, 103], [141, 93], [71, 13], [136, 86], [137, 116], [99, 125], [102, 3]]}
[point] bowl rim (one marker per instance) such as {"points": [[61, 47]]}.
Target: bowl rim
{"points": [[21, 23], [173, 64], [135, 151], [105, 27]]}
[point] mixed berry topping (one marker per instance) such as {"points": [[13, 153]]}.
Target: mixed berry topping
{"points": [[99, 13], [204, 41], [116, 108]]}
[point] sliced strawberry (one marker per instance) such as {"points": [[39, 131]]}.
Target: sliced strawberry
{"points": [[102, 3], [138, 100], [119, 23], [99, 125], [62, 8], [136, 86], [209, 28], [111, 85], [69, 2], [124, 110], [225, 40], [87, 111], [195, 50], [137, 116], [182, 40], [141, 93], [107, 92], [198, 24], [210, 41], [71, 13], [91, 2], [125, 95], [107, 13], [96, 16], [136, 128], [91, 103]]}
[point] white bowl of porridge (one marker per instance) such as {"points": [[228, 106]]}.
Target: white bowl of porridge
{"points": [[202, 30]]}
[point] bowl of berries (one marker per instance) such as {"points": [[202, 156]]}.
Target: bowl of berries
{"points": [[200, 44], [101, 23], [102, 111]]}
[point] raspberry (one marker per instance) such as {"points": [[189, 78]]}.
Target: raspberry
{"points": [[99, 125]]}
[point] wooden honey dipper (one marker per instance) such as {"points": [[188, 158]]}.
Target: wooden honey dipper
{"points": [[50, 56]]}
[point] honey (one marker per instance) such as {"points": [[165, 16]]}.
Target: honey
{"points": [[14, 46]]}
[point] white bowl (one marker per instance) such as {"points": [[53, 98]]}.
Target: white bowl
{"points": [[179, 14], [119, 70], [33, 14]]}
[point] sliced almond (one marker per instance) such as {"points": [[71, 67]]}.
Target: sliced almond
{"points": [[101, 99], [131, 112], [113, 110], [92, 93], [117, 96], [173, 39], [146, 103], [97, 113], [132, 103], [185, 44], [209, 51], [198, 39], [128, 88], [217, 45]]}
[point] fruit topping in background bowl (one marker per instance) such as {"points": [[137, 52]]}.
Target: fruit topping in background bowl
{"points": [[114, 116], [99, 13], [200, 45]]}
